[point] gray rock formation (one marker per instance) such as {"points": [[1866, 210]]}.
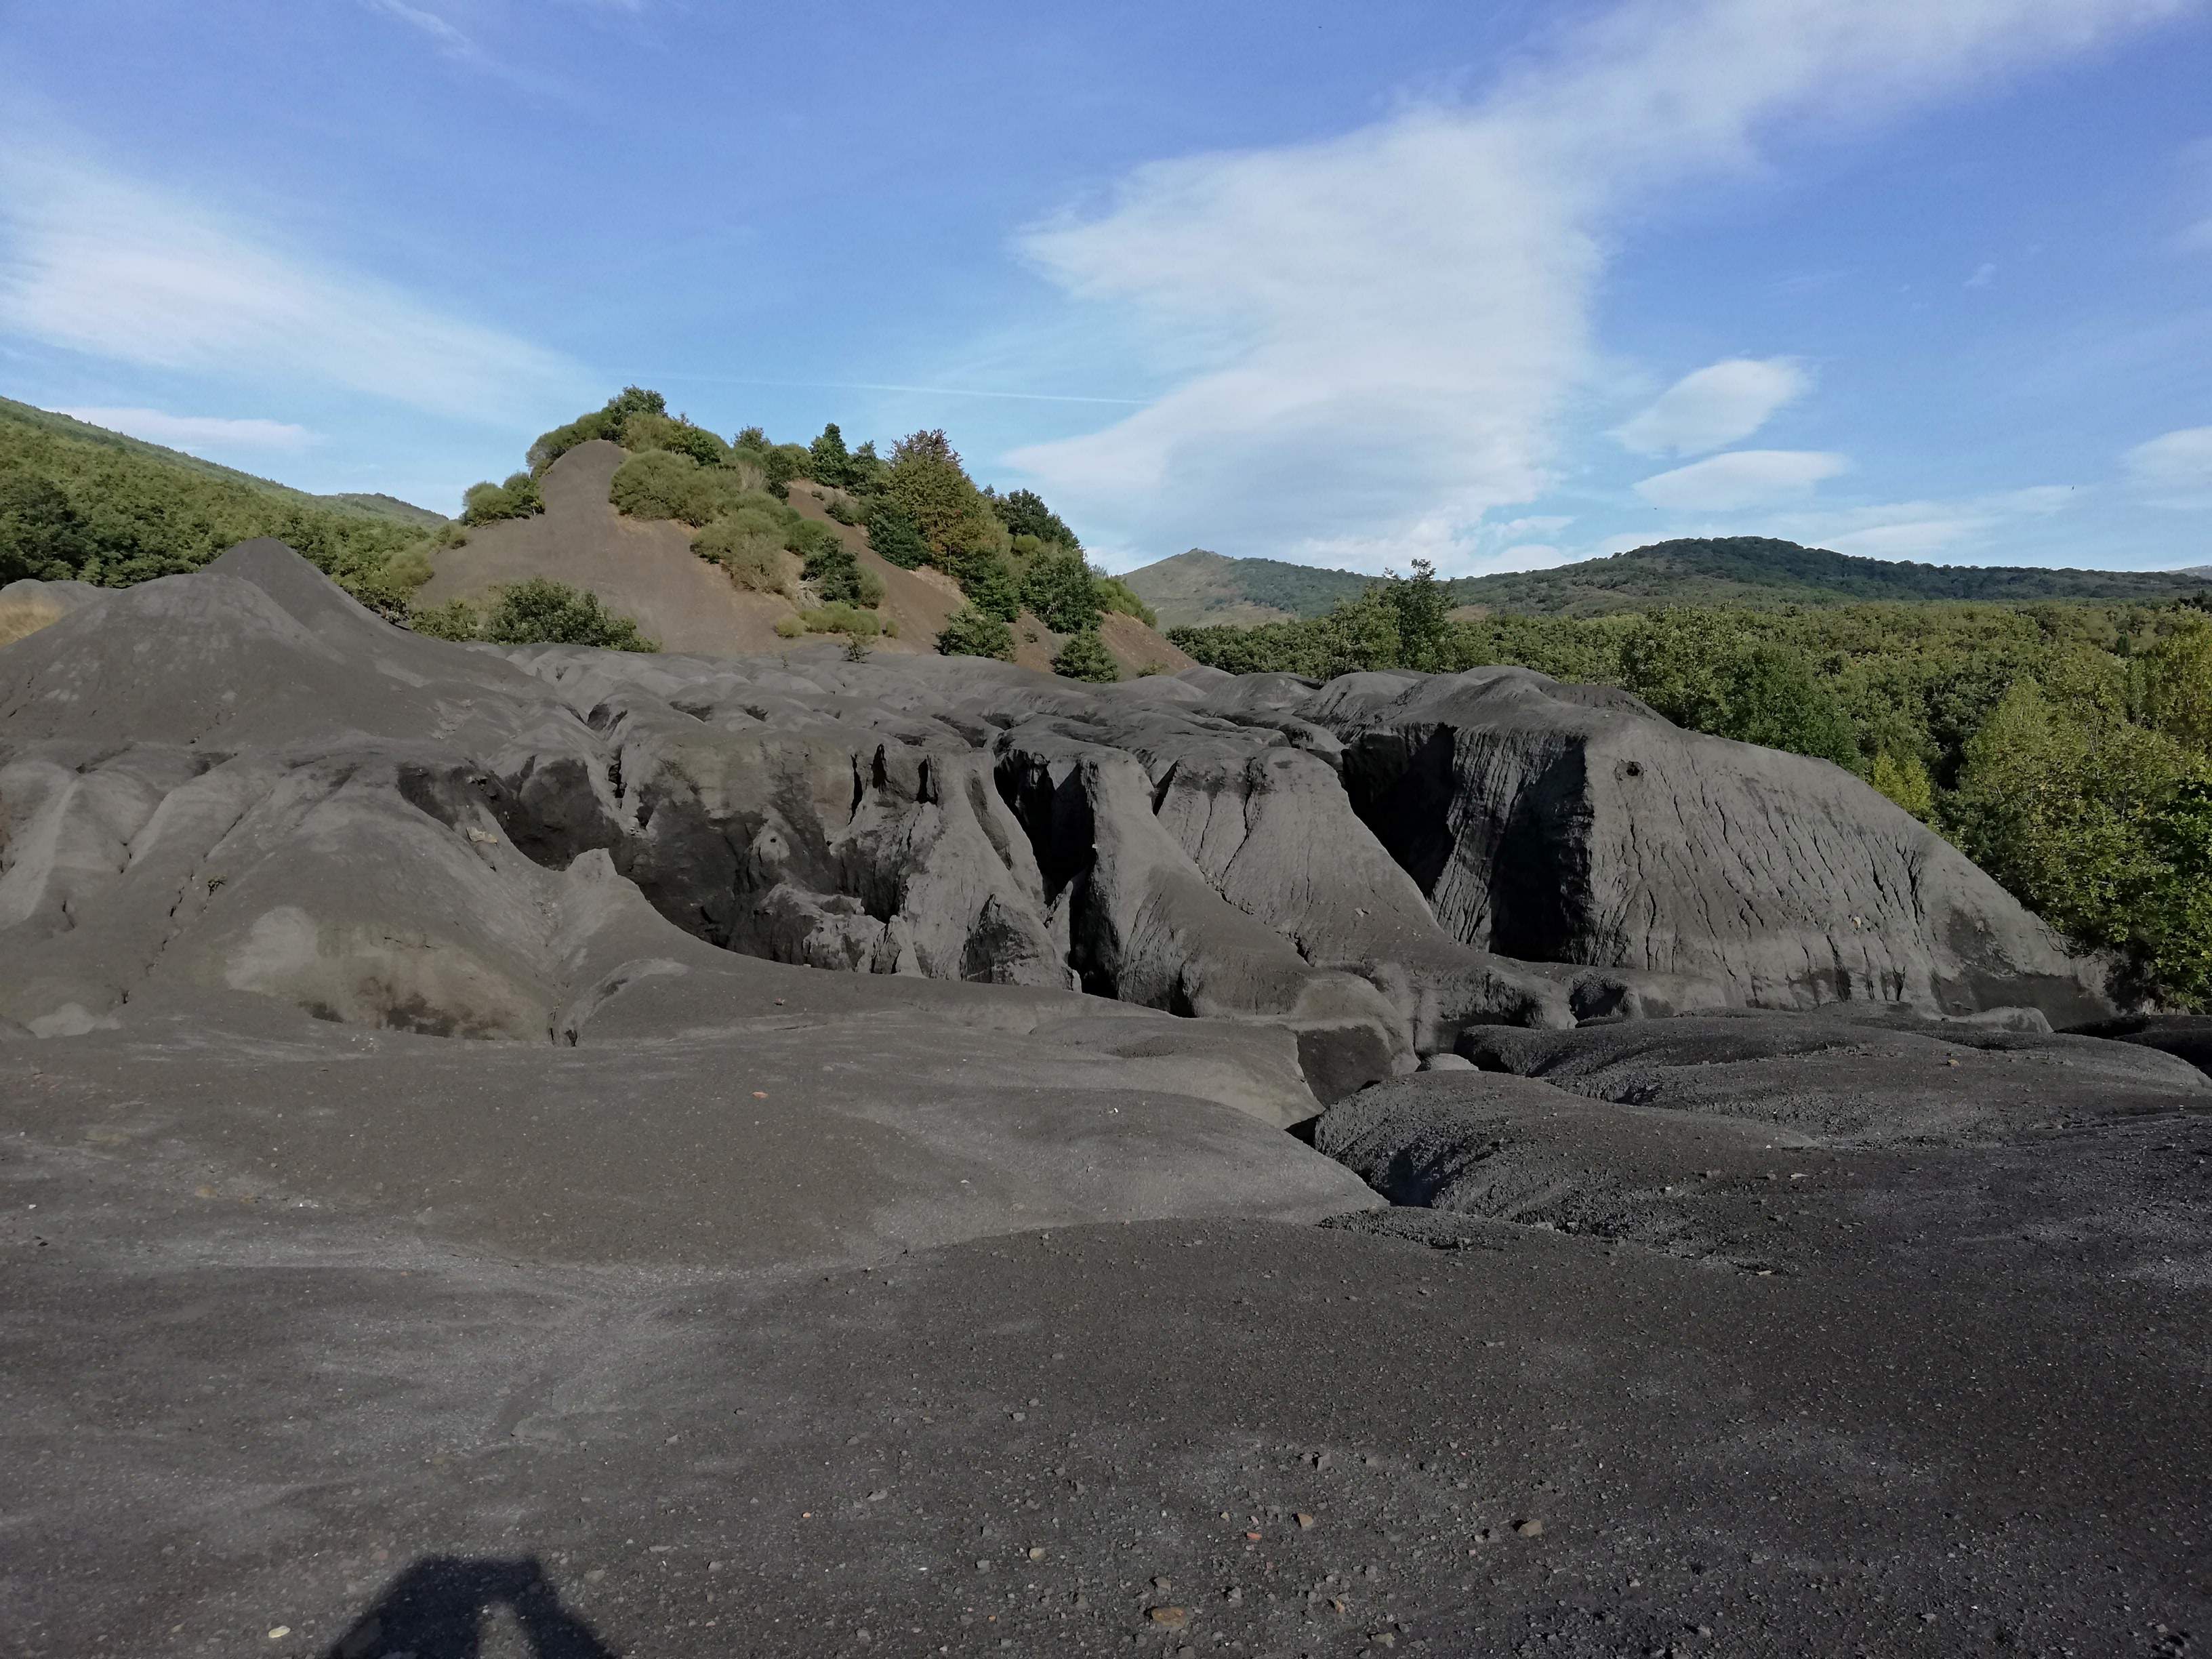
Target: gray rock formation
{"points": [[242, 779]]}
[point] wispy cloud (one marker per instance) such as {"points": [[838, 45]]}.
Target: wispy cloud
{"points": [[1394, 320], [1984, 274], [95, 264], [2197, 195], [1717, 406], [449, 39], [196, 433], [2174, 470], [1741, 478]]}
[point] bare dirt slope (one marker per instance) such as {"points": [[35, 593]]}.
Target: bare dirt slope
{"points": [[644, 570]]}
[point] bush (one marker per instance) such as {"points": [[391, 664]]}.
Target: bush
{"points": [[1085, 657], [841, 619], [1115, 594], [676, 435], [518, 498], [542, 612], [839, 505], [895, 536], [455, 621], [662, 484], [1061, 590], [970, 633], [750, 549], [790, 628]]}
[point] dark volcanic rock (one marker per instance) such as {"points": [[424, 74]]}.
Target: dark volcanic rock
{"points": [[554, 1150]]}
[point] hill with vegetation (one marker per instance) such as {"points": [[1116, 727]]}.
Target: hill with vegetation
{"points": [[1200, 589], [1203, 589], [902, 552], [81, 503]]}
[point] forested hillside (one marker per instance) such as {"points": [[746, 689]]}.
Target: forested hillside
{"points": [[2067, 748], [1199, 588], [78, 502]]}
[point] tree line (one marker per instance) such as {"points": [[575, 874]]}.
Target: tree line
{"points": [[2066, 747]]}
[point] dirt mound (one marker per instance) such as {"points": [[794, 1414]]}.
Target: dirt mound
{"points": [[644, 569]]}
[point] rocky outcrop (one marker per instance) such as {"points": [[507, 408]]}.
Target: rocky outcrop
{"points": [[241, 781]]}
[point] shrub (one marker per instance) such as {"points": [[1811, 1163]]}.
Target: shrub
{"points": [[1115, 594], [895, 536], [662, 484], [841, 619], [789, 628], [457, 620], [1085, 657], [970, 633], [839, 505], [542, 612], [518, 498], [676, 435], [752, 551]]}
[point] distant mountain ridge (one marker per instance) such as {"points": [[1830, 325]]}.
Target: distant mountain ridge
{"points": [[1203, 589]]}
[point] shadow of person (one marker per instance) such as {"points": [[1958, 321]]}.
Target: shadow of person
{"points": [[435, 1610]]}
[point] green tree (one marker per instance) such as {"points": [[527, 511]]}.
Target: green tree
{"points": [[1085, 657], [1906, 783], [2176, 678], [1769, 696], [542, 612], [41, 536], [970, 633], [832, 463], [989, 584], [1424, 607], [1061, 588], [456, 620], [518, 498], [1025, 514], [895, 536]]}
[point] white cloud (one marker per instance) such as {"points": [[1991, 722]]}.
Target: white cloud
{"points": [[195, 433], [1741, 478], [1984, 274], [94, 263], [1720, 405], [448, 39], [2195, 163], [1395, 319], [2175, 471]]}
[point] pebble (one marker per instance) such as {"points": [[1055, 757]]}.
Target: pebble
{"points": [[280, 1632], [1037, 1552], [1531, 1527], [1303, 1519], [1172, 1618]]}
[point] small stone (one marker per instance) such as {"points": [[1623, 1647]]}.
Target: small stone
{"points": [[1162, 1584], [1037, 1552], [878, 1495], [982, 1564], [1531, 1527], [1170, 1618], [280, 1632], [1232, 1595], [1304, 1519]]}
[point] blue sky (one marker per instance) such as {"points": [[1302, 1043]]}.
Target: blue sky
{"points": [[1500, 286]]}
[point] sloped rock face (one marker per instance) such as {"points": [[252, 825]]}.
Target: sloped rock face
{"points": [[240, 780], [1571, 823]]}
